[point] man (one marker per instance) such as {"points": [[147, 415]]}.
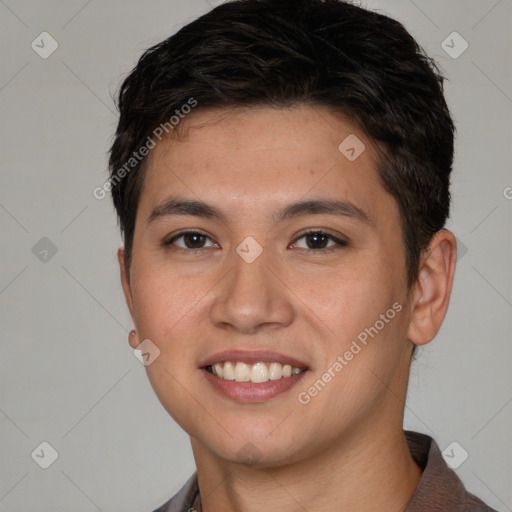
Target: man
{"points": [[281, 176]]}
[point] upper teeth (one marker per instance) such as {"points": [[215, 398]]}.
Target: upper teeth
{"points": [[259, 372]]}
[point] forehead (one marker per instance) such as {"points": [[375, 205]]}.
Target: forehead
{"points": [[247, 157]]}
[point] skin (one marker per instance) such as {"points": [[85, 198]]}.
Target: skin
{"points": [[309, 304]]}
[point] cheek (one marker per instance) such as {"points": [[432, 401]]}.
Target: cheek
{"points": [[358, 315], [166, 312], [344, 300], [164, 304], [162, 287]]}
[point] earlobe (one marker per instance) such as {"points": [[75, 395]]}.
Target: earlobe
{"points": [[433, 288], [125, 279], [133, 339]]}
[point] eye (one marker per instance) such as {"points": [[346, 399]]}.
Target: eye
{"points": [[191, 240], [319, 241]]}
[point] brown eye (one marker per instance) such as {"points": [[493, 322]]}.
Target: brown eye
{"points": [[318, 241], [190, 240]]}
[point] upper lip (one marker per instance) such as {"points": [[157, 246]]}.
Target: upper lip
{"points": [[252, 357]]}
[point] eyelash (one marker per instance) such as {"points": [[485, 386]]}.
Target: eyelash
{"points": [[339, 243]]}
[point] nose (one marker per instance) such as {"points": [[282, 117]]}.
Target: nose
{"points": [[252, 297]]}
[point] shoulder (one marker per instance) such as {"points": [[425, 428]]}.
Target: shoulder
{"points": [[440, 489], [184, 499]]}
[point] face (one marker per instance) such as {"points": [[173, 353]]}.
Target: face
{"points": [[262, 244]]}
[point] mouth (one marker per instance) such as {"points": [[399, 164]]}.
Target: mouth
{"points": [[252, 377]]}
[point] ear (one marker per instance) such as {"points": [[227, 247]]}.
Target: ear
{"points": [[127, 289], [433, 288]]}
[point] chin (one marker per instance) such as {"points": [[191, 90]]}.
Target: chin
{"points": [[248, 446]]}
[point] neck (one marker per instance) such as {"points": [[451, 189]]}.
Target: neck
{"points": [[365, 471]]}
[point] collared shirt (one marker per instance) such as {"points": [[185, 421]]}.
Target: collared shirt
{"points": [[439, 490]]}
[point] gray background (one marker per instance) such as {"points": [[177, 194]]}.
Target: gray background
{"points": [[67, 373]]}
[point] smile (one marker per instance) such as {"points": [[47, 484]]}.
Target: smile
{"points": [[252, 375], [256, 373]]}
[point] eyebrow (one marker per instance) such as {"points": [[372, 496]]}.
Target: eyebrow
{"points": [[195, 208]]}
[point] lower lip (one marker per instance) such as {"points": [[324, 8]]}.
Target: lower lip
{"points": [[249, 391]]}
